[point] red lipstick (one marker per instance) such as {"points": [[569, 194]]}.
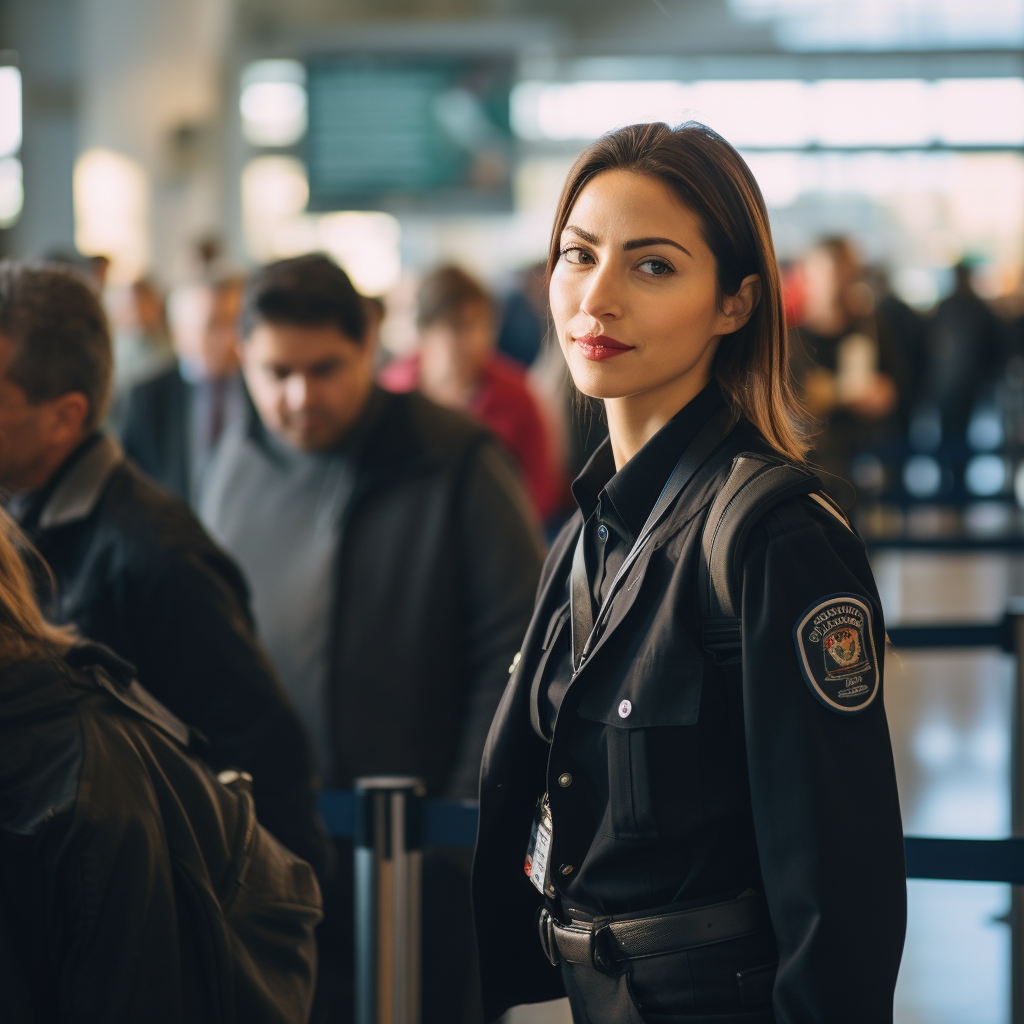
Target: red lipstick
{"points": [[600, 346]]}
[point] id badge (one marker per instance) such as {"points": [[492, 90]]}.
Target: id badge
{"points": [[536, 866]]}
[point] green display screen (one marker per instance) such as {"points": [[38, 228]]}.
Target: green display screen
{"points": [[405, 134]]}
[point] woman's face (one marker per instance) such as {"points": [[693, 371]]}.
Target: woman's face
{"points": [[633, 295]]}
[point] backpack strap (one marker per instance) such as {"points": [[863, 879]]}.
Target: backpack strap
{"points": [[756, 483], [102, 669], [132, 696]]}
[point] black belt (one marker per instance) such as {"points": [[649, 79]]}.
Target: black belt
{"points": [[604, 943]]}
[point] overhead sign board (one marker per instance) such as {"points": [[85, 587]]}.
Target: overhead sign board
{"points": [[409, 134]]}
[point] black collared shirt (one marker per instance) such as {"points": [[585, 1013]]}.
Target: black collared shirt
{"points": [[615, 507]]}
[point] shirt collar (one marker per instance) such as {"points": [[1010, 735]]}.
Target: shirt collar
{"points": [[633, 490], [73, 491]]}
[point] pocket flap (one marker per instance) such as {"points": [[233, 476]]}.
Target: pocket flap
{"points": [[659, 685]]}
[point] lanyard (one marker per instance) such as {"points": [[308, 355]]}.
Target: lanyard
{"points": [[697, 452]]}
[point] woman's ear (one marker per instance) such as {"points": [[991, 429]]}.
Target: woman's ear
{"points": [[737, 309]]}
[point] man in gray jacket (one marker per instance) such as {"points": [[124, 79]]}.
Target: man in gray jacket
{"points": [[393, 560]]}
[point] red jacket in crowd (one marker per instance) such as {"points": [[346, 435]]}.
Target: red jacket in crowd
{"points": [[502, 402]]}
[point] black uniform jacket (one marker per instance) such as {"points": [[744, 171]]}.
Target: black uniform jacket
{"points": [[120, 862], [691, 797], [136, 571]]}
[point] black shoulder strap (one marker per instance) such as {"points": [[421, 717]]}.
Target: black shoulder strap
{"points": [[132, 696], [700, 449], [755, 484]]}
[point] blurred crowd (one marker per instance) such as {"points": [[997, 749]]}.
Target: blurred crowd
{"points": [[878, 377], [178, 380], [320, 556], [881, 380]]}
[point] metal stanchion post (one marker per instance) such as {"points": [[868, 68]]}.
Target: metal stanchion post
{"points": [[1015, 625], [388, 899]]}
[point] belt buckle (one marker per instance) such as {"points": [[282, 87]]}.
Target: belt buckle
{"points": [[546, 927], [603, 947]]}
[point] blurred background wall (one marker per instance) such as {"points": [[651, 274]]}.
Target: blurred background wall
{"points": [[898, 122]]}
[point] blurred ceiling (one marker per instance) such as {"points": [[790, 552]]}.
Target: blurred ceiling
{"points": [[667, 27]]}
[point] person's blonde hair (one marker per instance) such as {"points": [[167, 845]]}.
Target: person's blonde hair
{"points": [[24, 632], [713, 180]]}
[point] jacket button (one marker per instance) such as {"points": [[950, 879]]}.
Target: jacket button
{"points": [[565, 780], [566, 869], [624, 709], [515, 662]]}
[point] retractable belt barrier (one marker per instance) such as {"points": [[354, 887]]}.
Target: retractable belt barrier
{"points": [[953, 543], [390, 822], [955, 860], [981, 860], [445, 823]]}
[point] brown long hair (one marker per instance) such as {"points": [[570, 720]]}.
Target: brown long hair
{"points": [[24, 633], [713, 180]]}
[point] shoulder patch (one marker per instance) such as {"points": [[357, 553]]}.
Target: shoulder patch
{"points": [[835, 646]]}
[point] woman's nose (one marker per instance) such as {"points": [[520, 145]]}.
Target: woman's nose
{"points": [[601, 297]]}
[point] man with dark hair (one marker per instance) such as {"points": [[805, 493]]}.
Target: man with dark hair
{"points": [[133, 567], [172, 422], [393, 560]]}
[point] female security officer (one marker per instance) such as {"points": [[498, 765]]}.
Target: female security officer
{"points": [[704, 841]]}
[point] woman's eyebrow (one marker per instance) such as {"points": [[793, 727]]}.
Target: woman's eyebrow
{"points": [[640, 243], [585, 235]]}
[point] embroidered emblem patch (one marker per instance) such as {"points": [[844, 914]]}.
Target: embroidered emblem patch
{"points": [[835, 646]]}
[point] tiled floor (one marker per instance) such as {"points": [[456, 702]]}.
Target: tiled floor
{"points": [[949, 717]]}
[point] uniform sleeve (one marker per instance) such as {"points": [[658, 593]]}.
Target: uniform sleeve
{"points": [[201, 658], [502, 557], [822, 781]]}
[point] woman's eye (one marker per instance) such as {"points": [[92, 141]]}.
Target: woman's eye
{"points": [[573, 254], [658, 268]]}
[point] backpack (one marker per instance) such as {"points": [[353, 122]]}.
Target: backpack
{"points": [[756, 484], [250, 904]]}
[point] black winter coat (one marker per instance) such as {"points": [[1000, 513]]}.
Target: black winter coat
{"points": [[136, 571], [661, 793], [133, 885], [437, 563]]}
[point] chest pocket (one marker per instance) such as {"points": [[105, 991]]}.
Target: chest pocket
{"points": [[634, 694], [659, 670]]}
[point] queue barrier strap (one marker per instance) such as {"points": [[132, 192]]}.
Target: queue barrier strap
{"points": [[999, 542], [954, 634], [963, 860], [446, 822]]}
